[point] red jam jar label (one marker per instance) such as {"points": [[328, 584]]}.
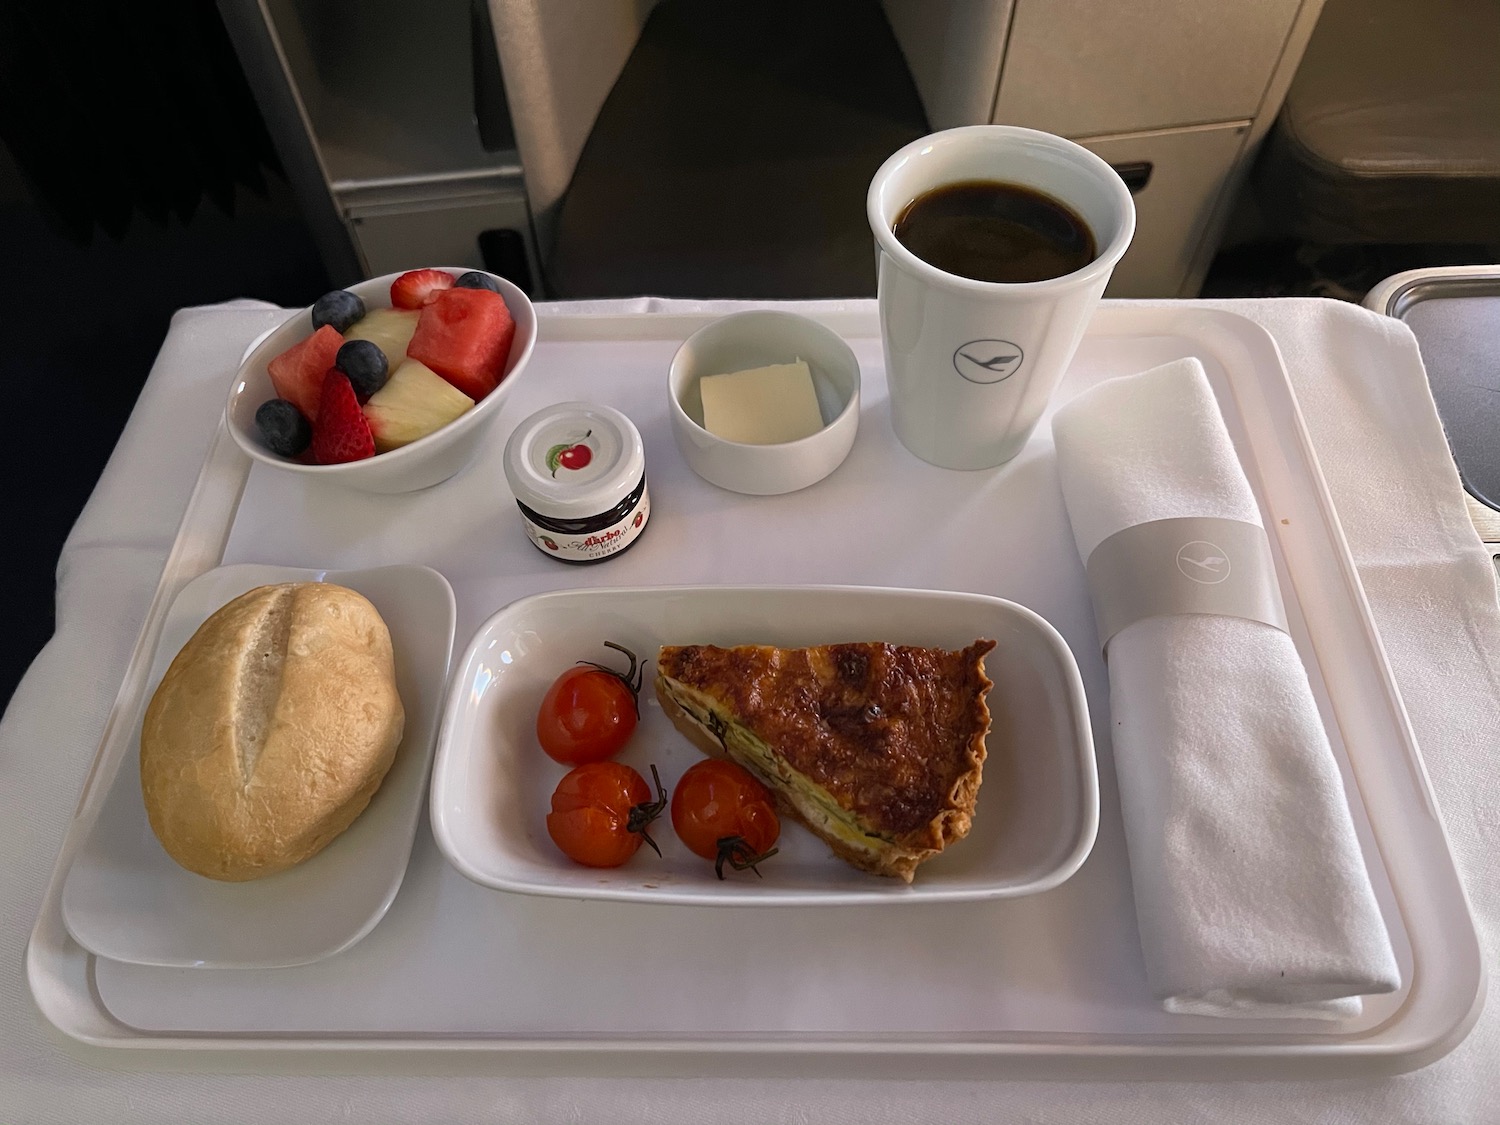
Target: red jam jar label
{"points": [[593, 545]]}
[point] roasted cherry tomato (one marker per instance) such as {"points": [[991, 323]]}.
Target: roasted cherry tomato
{"points": [[721, 812], [590, 711], [600, 812]]}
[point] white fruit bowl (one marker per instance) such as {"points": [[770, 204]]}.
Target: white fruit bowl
{"points": [[426, 461]]}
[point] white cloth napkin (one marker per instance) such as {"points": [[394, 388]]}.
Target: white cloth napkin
{"points": [[1251, 893]]}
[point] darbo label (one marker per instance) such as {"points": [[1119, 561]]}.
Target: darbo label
{"points": [[595, 544]]}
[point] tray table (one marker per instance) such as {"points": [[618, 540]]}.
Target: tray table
{"points": [[1051, 983]]}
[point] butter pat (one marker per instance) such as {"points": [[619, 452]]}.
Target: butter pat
{"points": [[762, 406]]}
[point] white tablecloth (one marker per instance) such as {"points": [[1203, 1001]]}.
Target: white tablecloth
{"points": [[1428, 578]]}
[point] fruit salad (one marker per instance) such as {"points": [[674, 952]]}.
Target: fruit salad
{"points": [[367, 381]]}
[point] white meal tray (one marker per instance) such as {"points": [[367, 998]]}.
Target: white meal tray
{"points": [[1048, 984]]}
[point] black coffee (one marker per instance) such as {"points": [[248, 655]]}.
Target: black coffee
{"points": [[992, 231]]}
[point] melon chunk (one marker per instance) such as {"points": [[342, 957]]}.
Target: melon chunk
{"points": [[414, 402], [389, 329]]}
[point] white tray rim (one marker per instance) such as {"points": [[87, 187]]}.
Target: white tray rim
{"points": [[60, 973]]}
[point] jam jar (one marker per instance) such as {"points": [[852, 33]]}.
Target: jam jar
{"points": [[578, 472]]}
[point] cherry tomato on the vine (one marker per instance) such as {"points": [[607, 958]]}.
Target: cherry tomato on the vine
{"points": [[600, 812], [721, 812], [590, 711]]}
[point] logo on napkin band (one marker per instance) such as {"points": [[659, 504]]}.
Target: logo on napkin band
{"points": [[1183, 564], [1203, 562], [988, 361]]}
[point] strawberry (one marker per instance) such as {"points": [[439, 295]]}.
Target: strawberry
{"points": [[416, 288], [341, 432]]}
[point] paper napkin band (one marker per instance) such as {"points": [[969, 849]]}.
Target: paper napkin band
{"points": [[1190, 564]]}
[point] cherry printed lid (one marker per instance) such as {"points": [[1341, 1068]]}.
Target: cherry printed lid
{"points": [[574, 460]]}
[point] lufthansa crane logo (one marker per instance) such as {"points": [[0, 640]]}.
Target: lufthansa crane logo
{"points": [[1203, 562], [988, 361]]}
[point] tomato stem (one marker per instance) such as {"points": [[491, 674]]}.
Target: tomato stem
{"points": [[631, 677], [644, 813], [735, 851]]}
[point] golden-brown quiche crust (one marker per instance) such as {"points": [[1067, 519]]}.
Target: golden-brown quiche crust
{"points": [[894, 734]]}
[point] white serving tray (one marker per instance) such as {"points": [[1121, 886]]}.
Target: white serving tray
{"points": [[1052, 983]]}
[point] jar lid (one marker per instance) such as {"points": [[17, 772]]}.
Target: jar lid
{"points": [[573, 460]]}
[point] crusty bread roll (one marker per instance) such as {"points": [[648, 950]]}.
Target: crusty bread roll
{"points": [[271, 731]]}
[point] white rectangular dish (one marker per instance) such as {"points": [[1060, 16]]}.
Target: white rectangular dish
{"points": [[125, 899], [1039, 804], [1049, 983]]}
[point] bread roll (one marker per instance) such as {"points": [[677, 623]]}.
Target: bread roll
{"points": [[271, 731]]}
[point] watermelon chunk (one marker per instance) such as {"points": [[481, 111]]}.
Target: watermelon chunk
{"points": [[297, 373], [465, 336]]}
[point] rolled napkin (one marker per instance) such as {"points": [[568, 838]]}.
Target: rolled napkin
{"points": [[1251, 893]]}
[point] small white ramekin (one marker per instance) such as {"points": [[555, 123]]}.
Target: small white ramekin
{"points": [[752, 339]]}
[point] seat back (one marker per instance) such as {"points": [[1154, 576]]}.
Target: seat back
{"points": [[559, 59]]}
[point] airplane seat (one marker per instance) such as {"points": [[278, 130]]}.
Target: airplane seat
{"points": [[1390, 132], [713, 148]]}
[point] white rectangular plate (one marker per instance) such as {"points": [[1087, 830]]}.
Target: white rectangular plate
{"points": [[1038, 805], [124, 898]]}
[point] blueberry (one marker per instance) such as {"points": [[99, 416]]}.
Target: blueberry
{"points": [[340, 308], [365, 364], [476, 280], [282, 427]]}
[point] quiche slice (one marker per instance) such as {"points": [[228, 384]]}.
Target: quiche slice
{"points": [[878, 749]]}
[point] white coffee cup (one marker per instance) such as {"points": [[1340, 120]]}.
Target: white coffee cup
{"points": [[971, 364]]}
